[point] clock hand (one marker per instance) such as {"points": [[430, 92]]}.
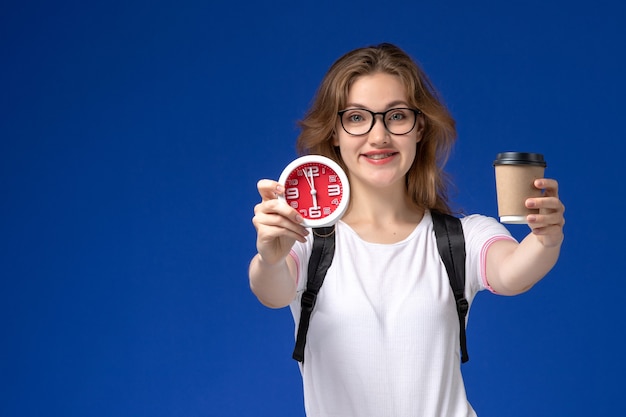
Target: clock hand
{"points": [[313, 190], [306, 175]]}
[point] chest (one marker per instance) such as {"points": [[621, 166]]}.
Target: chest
{"points": [[386, 284]]}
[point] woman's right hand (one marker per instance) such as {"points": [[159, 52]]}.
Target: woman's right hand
{"points": [[277, 224]]}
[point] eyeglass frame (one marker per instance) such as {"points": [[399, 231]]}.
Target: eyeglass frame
{"points": [[416, 112]]}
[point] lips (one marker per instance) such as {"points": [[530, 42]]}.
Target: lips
{"points": [[376, 156]]}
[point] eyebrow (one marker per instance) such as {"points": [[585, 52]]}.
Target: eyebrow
{"points": [[389, 105]]}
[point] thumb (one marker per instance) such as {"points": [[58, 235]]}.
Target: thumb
{"points": [[269, 189]]}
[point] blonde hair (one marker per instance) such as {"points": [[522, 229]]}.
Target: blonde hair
{"points": [[426, 181]]}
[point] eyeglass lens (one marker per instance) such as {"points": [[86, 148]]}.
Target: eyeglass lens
{"points": [[360, 121]]}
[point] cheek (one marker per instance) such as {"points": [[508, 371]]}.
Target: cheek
{"points": [[411, 149]]}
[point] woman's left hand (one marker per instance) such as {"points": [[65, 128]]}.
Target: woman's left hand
{"points": [[547, 225]]}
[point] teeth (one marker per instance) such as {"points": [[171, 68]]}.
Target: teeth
{"points": [[379, 156]]}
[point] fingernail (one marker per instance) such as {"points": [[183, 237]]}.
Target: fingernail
{"points": [[280, 188], [530, 203], [531, 219], [299, 218]]}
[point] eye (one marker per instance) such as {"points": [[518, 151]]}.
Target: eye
{"points": [[397, 115], [354, 117]]}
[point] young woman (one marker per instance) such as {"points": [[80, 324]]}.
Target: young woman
{"points": [[384, 340]]}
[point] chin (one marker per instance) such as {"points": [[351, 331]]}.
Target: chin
{"points": [[381, 181]]}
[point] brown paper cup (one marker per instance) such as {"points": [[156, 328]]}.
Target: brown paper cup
{"points": [[516, 173]]}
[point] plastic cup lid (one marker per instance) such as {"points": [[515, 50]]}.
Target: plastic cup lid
{"points": [[520, 158]]}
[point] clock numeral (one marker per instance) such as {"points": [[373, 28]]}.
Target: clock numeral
{"points": [[334, 201], [332, 178], [326, 211], [334, 190], [313, 170], [292, 182], [315, 212], [292, 193]]}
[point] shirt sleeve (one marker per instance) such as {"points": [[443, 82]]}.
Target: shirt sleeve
{"points": [[480, 233]]}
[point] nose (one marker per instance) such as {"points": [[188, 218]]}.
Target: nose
{"points": [[379, 134]]}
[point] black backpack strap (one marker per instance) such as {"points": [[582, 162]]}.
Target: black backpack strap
{"points": [[319, 262], [451, 245]]}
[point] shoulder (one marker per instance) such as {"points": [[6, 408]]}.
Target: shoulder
{"points": [[480, 225], [481, 232]]}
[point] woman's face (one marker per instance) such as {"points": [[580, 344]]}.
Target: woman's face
{"points": [[377, 158]]}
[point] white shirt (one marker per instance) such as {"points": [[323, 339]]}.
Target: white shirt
{"points": [[384, 337]]}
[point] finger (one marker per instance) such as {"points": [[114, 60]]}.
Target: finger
{"points": [[282, 215], [272, 227], [545, 203], [268, 234], [278, 213], [545, 220], [550, 186], [278, 207], [269, 189]]}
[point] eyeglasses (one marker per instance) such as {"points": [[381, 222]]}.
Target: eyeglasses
{"points": [[398, 121]]}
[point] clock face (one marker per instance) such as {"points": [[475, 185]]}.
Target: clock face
{"points": [[317, 188]]}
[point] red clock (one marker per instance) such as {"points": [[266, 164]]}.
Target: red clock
{"points": [[317, 188]]}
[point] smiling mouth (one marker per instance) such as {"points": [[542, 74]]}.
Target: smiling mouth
{"points": [[378, 156]]}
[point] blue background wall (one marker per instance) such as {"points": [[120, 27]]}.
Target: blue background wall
{"points": [[132, 135]]}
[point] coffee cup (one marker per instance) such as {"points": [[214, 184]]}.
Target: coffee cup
{"points": [[516, 173]]}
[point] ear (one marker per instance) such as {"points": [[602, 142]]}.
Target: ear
{"points": [[335, 139], [420, 127]]}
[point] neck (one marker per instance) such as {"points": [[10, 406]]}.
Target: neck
{"points": [[382, 207]]}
